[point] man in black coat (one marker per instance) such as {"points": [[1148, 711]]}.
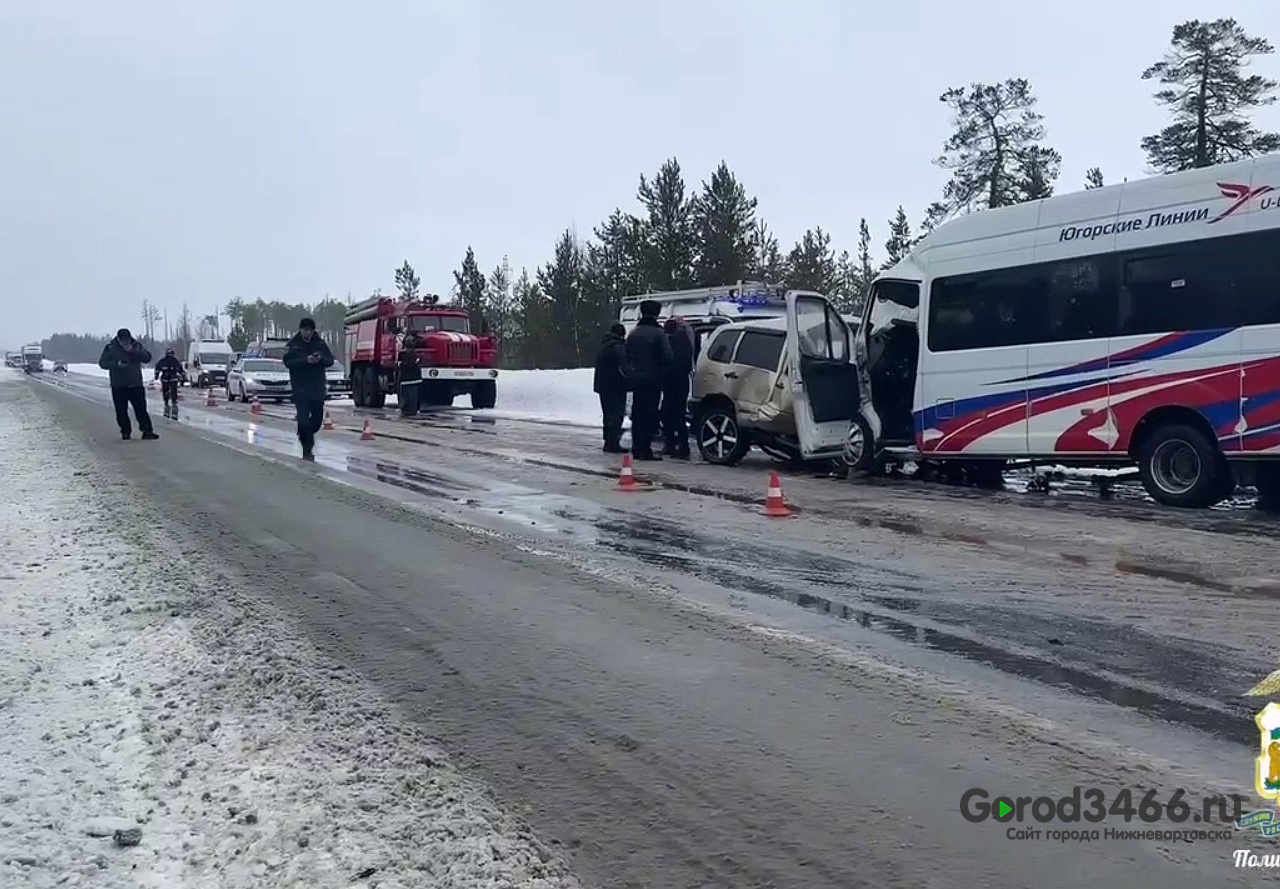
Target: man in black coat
{"points": [[409, 370], [169, 372], [123, 358], [307, 357], [648, 360], [675, 391], [611, 386]]}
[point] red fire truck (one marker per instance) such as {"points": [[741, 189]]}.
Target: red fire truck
{"points": [[454, 360]]}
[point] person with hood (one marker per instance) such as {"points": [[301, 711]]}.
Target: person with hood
{"points": [[410, 373], [648, 360], [169, 372], [307, 356], [123, 358], [611, 386], [675, 391]]}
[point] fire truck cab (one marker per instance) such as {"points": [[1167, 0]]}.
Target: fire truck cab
{"points": [[454, 361]]}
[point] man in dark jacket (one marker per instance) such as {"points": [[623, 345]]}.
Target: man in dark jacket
{"points": [[410, 373], [611, 386], [675, 391], [648, 359], [307, 357], [170, 373], [123, 358]]}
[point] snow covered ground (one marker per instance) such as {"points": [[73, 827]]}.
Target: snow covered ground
{"points": [[562, 397], [140, 690]]}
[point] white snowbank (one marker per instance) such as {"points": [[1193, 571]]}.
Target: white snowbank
{"points": [[88, 370], [142, 686], [563, 397]]}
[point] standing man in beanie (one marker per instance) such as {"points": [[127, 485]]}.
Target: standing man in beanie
{"points": [[648, 360], [675, 391], [123, 358], [307, 357], [611, 386]]}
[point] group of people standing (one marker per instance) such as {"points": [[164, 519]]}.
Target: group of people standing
{"points": [[653, 363]]}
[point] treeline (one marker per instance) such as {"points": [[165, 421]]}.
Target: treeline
{"points": [[997, 155], [676, 237]]}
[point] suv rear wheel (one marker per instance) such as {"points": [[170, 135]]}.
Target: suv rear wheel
{"points": [[720, 439]]}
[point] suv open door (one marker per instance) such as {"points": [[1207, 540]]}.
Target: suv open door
{"points": [[822, 375]]}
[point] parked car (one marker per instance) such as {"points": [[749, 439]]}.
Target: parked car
{"points": [[338, 386], [786, 385], [266, 379]]}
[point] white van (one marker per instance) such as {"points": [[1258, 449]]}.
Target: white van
{"points": [[207, 362], [1138, 322]]}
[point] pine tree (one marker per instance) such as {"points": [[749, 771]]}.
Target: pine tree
{"points": [[723, 219], [670, 237], [866, 268], [844, 292], [811, 264], [1040, 167], [1093, 178], [899, 243], [767, 262], [407, 281], [237, 338], [613, 268], [1209, 95], [561, 281], [469, 289], [534, 327], [501, 307], [995, 129]]}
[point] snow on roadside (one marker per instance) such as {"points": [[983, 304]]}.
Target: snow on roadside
{"points": [[560, 397], [139, 688]]}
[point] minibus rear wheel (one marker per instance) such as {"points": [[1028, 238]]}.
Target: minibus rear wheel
{"points": [[1180, 466]]}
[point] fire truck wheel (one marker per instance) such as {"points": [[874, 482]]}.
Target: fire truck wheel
{"points": [[484, 395], [373, 395]]}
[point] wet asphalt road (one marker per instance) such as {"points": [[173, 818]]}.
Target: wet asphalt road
{"points": [[680, 693]]}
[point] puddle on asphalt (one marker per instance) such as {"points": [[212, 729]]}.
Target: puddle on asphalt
{"points": [[729, 567]]}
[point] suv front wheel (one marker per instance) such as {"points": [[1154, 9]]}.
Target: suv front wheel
{"points": [[720, 439]]}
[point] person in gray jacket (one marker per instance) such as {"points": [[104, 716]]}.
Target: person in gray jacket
{"points": [[123, 358]]}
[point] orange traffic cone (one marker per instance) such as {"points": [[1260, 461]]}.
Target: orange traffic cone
{"points": [[627, 481], [774, 504], [367, 433], [257, 406], [210, 402], [328, 422]]}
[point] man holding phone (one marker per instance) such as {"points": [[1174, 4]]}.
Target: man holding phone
{"points": [[307, 356], [123, 358]]}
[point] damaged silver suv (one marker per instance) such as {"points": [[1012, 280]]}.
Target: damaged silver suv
{"points": [[786, 385]]}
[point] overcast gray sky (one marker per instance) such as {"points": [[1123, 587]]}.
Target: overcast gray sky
{"points": [[195, 152]]}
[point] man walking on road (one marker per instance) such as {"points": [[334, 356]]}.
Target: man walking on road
{"points": [[611, 386], [170, 373], [675, 391], [123, 358], [307, 357], [648, 359]]}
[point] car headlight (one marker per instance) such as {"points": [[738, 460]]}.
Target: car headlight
{"points": [[250, 381]]}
